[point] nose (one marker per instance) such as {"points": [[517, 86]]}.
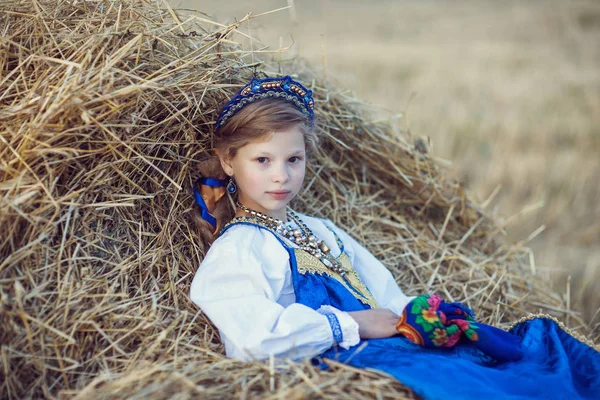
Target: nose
{"points": [[281, 173]]}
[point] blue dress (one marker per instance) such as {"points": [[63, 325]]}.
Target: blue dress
{"points": [[555, 365]]}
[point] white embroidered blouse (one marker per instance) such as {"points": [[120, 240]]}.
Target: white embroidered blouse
{"points": [[244, 285]]}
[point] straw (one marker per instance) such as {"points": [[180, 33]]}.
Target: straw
{"points": [[105, 109]]}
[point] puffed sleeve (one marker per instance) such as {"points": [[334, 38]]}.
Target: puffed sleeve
{"points": [[237, 287], [373, 273]]}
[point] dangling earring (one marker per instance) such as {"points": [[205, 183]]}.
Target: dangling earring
{"points": [[231, 187]]}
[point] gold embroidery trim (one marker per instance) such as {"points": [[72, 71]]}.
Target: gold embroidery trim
{"points": [[563, 327], [307, 263]]}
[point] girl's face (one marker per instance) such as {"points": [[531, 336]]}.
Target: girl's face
{"points": [[269, 172]]}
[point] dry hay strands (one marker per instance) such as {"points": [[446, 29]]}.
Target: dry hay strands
{"points": [[103, 105], [105, 108], [227, 378]]}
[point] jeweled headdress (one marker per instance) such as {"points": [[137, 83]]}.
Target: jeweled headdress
{"points": [[284, 87]]}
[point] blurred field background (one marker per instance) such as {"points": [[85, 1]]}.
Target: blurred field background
{"points": [[508, 92]]}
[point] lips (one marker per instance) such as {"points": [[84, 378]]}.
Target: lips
{"points": [[279, 194]]}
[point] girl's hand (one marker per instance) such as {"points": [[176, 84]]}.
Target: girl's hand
{"points": [[375, 324]]}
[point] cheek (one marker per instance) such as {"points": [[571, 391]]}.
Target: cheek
{"points": [[251, 178]]}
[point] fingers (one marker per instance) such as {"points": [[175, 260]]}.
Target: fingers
{"points": [[375, 323]]}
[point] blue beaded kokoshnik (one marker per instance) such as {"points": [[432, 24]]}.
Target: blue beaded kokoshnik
{"points": [[258, 89]]}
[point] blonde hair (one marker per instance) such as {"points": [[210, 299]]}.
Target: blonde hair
{"points": [[254, 121]]}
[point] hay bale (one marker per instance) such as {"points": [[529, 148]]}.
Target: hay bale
{"points": [[105, 109]]}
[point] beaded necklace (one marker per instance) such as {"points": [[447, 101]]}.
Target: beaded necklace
{"points": [[303, 237]]}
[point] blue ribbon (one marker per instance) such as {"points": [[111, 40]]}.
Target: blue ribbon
{"points": [[204, 211]]}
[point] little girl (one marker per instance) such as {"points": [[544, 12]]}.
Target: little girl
{"points": [[284, 284]]}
